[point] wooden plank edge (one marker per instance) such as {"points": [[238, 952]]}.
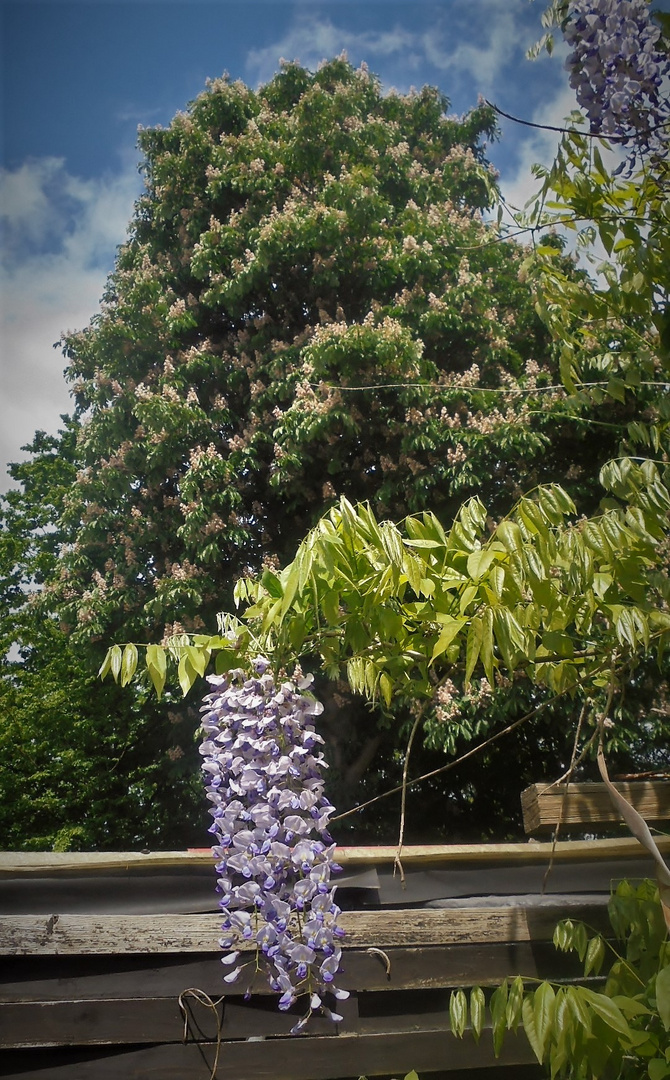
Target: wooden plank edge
{"points": [[47, 863], [431, 967], [301, 1058]]}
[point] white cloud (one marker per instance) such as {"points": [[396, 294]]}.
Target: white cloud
{"points": [[312, 39], [25, 206], [61, 234], [499, 31], [537, 146], [540, 147]]}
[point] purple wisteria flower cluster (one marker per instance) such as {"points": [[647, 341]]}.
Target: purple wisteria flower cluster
{"points": [[274, 853], [617, 69]]}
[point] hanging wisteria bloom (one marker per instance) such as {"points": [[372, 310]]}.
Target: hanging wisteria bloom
{"points": [[618, 71], [264, 776]]}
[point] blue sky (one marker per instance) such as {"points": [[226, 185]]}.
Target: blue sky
{"points": [[79, 76]]}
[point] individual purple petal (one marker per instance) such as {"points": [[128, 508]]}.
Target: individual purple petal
{"points": [[230, 958]]}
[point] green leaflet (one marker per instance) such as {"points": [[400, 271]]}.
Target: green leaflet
{"points": [[498, 1007], [115, 658], [106, 665], [157, 667], [449, 632], [473, 647], [128, 664], [477, 1008], [663, 996], [606, 1009], [530, 1028], [458, 1012]]}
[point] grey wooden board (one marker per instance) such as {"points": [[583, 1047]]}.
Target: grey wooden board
{"points": [[44, 863], [55, 978], [292, 1058], [72, 934], [129, 1021], [78, 1023]]}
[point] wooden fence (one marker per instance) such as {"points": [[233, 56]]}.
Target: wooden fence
{"points": [[119, 995]]}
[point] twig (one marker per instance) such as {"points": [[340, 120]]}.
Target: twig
{"points": [[446, 388], [568, 777], [397, 864], [574, 130], [584, 751], [452, 764]]}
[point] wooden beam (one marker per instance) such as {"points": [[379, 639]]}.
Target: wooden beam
{"points": [[41, 978], [40, 863], [589, 804], [22, 935], [295, 1058]]}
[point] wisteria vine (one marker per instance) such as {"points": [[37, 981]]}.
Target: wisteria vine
{"points": [[274, 854], [618, 70]]}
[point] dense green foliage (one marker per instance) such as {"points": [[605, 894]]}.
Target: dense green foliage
{"points": [[79, 765], [309, 306], [292, 243], [618, 1027]]}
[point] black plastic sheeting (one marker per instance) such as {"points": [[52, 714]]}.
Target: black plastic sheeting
{"points": [[191, 890]]}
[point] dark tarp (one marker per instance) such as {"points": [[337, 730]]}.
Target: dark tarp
{"points": [[190, 890]]}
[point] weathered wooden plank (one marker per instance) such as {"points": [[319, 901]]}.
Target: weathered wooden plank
{"points": [[82, 934], [79, 1023], [50, 862], [149, 1020], [544, 805], [293, 1058], [51, 978]]}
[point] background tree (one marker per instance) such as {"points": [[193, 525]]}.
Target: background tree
{"points": [[82, 764], [309, 305]]}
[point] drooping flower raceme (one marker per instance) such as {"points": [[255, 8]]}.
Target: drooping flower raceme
{"points": [[274, 854], [617, 69]]}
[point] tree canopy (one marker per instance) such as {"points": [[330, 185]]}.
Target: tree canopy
{"points": [[292, 244]]}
